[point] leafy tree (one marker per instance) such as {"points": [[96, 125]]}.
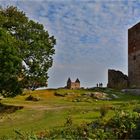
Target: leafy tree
{"points": [[35, 46], [10, 64]]}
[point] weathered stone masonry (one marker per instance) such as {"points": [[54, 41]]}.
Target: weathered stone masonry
{"points": [[117, 80], [134, 56]]}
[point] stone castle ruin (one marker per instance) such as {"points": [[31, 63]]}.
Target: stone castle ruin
{"points": [[134, 56], [73, 85], [117, 79]]}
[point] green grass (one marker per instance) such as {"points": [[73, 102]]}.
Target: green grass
{"points": [[51, 111]]}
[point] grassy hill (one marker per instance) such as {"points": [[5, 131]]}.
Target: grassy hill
{"points": [[55, 105]]}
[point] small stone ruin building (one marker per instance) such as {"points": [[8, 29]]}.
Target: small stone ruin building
{"points": [[117, 80], [73, 85]]}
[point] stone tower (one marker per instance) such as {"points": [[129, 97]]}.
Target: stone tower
{"points": [[77, 83], [69, 83], [134, 56], [73, 85]]}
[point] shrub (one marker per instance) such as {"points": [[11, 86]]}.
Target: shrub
{"points": [[32, 98], [60, 94], [103, 110], [120, 126], [68, 121], [123, 123]]}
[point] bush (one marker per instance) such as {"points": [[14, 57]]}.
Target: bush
{"points": [[123, 124], [103, 110], [32, 98], [60, 94], [120, 126]]}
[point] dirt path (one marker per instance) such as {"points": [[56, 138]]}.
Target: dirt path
{"points": [[43, 107]]}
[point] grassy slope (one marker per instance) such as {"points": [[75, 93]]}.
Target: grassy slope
{"points": [[51, 111]]}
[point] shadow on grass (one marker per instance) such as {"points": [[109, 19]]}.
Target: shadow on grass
{"points": [[9, 108]]}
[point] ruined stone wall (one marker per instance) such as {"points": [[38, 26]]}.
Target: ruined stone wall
{"points": [[134, 56], [117, 80]]}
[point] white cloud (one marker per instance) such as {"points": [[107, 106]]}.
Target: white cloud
{"points": [[90, 33]]}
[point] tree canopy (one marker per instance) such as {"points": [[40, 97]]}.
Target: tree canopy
{"points": [[26, 51]]}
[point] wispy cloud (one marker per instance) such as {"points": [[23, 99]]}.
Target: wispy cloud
{"points": [[91, 34]]}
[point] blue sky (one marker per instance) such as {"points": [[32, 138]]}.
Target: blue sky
{"points": [[91, 35]]}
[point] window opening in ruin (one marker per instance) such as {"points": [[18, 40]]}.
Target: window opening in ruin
{"points": [[134, 57]]}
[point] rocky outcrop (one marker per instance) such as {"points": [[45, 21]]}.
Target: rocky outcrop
{"points": [[117, 80]]}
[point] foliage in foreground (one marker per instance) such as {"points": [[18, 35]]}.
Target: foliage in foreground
{"points": [[26, 51], [120, 126]]}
